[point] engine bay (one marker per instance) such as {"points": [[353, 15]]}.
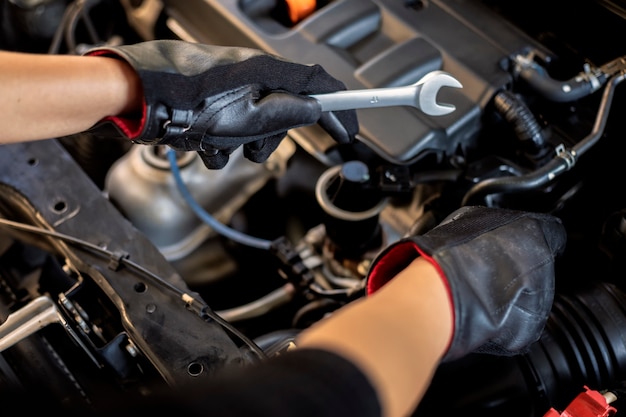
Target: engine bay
{"points": [[125, 266]]}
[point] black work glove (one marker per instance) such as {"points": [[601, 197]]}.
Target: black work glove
{"points": [[213, 99], [499, 268]]}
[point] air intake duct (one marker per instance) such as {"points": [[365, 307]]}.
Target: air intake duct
{"points": [[583, 344]]}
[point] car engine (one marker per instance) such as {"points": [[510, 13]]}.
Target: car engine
{"points": [[124, 267]]}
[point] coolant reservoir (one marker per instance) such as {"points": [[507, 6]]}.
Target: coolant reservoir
{"points": [[143, 188]]}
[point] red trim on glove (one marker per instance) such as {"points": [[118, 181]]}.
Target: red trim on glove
{"points": [[132, 128], [448, 290], [395, 260]]}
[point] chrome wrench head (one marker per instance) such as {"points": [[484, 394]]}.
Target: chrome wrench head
{"points": [[428, 88]]}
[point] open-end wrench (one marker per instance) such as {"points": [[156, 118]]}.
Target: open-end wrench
{"points": [[421, 95]]}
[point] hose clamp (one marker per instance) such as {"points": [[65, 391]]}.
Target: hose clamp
{"points": [[566, 155]]}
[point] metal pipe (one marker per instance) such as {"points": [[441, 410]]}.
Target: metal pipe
{"points": [[276, 298], [564, 160]]}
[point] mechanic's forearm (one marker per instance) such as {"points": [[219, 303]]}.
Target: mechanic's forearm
{"points": [[44, 96], [397, 336]]}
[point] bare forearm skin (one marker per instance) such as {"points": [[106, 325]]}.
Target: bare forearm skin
{"points": [[44, 96], [397, 336]]}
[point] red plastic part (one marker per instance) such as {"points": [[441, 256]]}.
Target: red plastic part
{"points": [[587, 404]]}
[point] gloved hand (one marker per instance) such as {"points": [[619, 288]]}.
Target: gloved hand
{"points": [[499, 268], [213, 99]]}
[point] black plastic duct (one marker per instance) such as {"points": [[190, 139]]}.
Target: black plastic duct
{"points": [[584, 344]]}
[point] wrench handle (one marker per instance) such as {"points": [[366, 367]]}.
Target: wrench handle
{"points": [[371, 98]]}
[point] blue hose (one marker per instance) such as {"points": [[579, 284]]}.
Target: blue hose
{"points": [[220, 228]]}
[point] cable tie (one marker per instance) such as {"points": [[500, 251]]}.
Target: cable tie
{"points": [[116, 258]]}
